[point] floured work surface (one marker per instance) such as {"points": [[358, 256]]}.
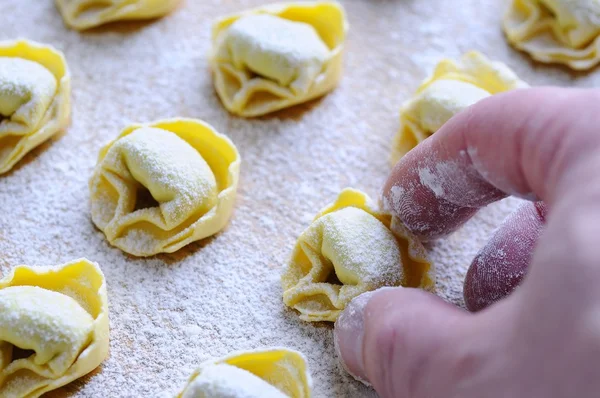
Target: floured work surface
{"points": [[171, 312]]}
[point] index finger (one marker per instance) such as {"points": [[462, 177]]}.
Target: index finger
{"points": [[491, 150]]}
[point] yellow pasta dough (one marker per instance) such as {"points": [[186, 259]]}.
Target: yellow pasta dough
{"points": [[452, 88], [351, 248], [85, 14], [265, 373], [161, 186], [556, 31], [53, 327], [35, 87], [277, 56]]}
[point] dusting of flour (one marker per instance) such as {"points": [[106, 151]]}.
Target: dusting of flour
{"points": [[226, 381], [171, 312], [364, 248]]}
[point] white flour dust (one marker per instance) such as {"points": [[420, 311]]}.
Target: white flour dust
{"points": [[171, 312]]}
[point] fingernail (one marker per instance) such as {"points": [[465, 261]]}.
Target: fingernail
{"points": [[349, 336]]}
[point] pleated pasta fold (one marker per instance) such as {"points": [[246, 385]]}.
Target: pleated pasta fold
{"points": [[351, 248], [453, 87], [85, 14], [276, 56], [35, 98], [264, 373], [53, 327], [556, 31], [161, 186]]}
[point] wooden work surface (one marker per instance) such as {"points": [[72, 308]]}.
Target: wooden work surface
{"points": [[171, 312]]}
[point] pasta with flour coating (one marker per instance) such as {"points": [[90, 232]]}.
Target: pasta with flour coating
{"points": [[161, 186], [351, 248], [35, 88], [452, 88], [277, 56], [53, 327], [85, 14], [556, 31], [265, 373]]}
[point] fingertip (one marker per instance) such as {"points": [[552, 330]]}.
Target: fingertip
{"points": [[348, 337], [349, 333], [513, 143], [499, 268], [434, 189], [382, 335], [406, 331], [426, 216]]}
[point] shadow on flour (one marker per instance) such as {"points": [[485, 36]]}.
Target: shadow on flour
{"points": [[75, 386], [173, 259], [121, 27], [543, 68], [170, 260], [295, 113], [34, 153], [127, 27], [292, 319]]}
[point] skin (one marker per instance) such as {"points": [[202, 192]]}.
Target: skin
{"points": [[543, 339]]}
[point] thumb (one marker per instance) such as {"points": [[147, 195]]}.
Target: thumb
{"points": [[404, 342]]}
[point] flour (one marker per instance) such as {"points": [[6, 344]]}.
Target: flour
{"points": [[27, 90], [428, 179], [361, 247], [456, 182], [226, 381], [169, 313], [55, 326], [572, 11], [291, 53], [173, 172]]}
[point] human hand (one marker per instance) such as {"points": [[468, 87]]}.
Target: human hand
{"points": [[543, 340]]}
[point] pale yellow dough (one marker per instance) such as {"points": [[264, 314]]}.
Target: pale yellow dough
{"points": [[556, 31], [264, 373], [35, 90], [161, 186], [361, 246], [452, 88], [85, 14], [276, 56], [53, 327]]}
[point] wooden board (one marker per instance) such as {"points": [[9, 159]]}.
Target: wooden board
{"points": [[171, 312]]}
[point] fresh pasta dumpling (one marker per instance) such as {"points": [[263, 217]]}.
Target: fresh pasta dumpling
{"points": [[351, 248], [265, 373], [35, 88], [556, 31], [53, 327], [277, 56], [161, 186], [452, 88], [85, 14]]}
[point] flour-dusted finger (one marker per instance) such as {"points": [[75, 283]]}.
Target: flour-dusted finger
{"points": [[481, 155], [435, 188], [500, 266]]}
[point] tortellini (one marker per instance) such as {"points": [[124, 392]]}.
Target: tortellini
{"points": [[85, 14], [559, 31], [277, 56], [53, 327], [266, 373], [452, 88], [35, 88], [161, 186], [350, 248]]}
